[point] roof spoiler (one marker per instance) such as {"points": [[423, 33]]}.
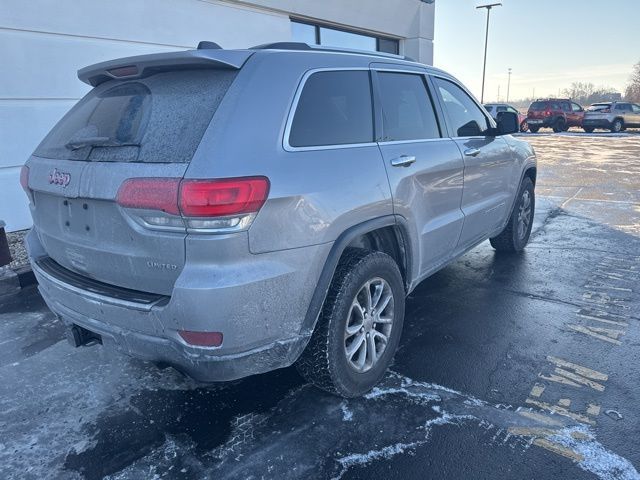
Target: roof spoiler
{"points": [[145, 65]]}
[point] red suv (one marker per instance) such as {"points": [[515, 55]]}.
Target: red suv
{"points": [[557, 113]]}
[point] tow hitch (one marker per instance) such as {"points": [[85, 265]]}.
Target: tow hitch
{"points": [[78, 337]]}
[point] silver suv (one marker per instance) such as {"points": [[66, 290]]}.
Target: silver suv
{"points": [[614, 116], [230, 212]]}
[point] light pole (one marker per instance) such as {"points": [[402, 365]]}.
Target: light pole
{"points": [[508, 85], [486, 42]]}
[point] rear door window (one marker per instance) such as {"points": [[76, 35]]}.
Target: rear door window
{"points": [[407, 108], [334, 108], [157, 119]]}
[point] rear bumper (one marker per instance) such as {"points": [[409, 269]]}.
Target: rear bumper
{"points": [[539, 122], [596, 123], [265, 332]]}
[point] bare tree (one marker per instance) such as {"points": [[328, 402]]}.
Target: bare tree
{"points": [[587, 93], [632, 93]]}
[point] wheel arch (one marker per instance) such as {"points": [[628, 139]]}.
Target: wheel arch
{"points": [[386, 234]]}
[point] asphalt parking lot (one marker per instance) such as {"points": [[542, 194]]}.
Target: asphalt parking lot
{"points": [[510, 367]]}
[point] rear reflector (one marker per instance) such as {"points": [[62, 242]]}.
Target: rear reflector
{"points": [[201, 339], [24, 178], [150, 193], [224, 197]]}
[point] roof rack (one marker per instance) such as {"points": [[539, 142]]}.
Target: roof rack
{"points": [[322, 48]]}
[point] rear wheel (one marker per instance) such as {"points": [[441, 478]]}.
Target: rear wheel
{"points": [[617, 126], [534, 129], [359, 327], [560, 125], [515, 235], [524, 126], [588, 129]]}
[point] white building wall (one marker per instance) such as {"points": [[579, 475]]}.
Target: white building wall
{"points": [[44, 42]]}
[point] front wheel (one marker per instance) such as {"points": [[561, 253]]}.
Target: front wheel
{"points": [[524, 126], [359, 327], [588, 129], [515, 235], [534, 129]]}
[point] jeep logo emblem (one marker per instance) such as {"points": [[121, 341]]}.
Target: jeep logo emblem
{"points": [[56, 177]]}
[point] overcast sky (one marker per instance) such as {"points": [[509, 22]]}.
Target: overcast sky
{"points": [[548, 43]]}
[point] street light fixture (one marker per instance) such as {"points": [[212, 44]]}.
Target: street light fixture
{"points": [[489, 6], [508, 85]]}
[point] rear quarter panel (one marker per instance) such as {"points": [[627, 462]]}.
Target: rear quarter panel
{"points": [[315, 195]]}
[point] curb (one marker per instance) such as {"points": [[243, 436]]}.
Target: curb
{"points": [[25, 276], [12, 281]]}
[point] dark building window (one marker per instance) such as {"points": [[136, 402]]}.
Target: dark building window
{"points": [[334, 37]]}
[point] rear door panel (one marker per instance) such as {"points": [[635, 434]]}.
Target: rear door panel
{"points": [[427, 192]]}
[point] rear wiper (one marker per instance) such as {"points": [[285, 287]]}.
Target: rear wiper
{"points": [[98, 142]]}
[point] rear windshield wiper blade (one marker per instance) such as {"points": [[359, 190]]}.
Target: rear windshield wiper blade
{"points": [[98, 142]]}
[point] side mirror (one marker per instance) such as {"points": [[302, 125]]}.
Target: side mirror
{"points": [[508, 123]]}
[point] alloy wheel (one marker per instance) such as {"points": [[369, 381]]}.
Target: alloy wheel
{"points": [[369, 325]]}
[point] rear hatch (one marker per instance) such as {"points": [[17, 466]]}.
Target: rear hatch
{"points": [[597, 111], [537, 110], [148, 124]]}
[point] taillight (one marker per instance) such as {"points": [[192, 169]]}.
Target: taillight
{"points": [[548, 113], [24, 178], [150, 194], [208, 205], [221, 198]]}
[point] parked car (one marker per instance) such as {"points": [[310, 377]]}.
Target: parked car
{"points": [[556, 113], [495, 108], [184, 217], [614, 116]]}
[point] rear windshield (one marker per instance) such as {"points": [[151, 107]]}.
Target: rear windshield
{"points": [[158, 119], [488, 108], [538, 106], [599, 106]]}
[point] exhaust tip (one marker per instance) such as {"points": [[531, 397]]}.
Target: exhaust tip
{"points": [[80, 337]]}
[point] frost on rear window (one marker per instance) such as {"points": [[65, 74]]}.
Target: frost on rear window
{"points": [[599, 106], [158, 119]]}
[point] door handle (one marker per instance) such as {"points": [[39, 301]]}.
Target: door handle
{"points": [[472, 152], [403, 161]]}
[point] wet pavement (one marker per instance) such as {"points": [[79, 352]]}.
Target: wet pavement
{"points": [[510, 367]]}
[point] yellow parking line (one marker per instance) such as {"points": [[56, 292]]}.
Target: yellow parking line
{"points": [[536, 391], [580, 379], [593, 410], [559, 449], [603, 320], [541, 418], [584, 371], [596, 333], [560, 411]]}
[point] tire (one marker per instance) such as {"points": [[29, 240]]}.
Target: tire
{"points": [[588, 129], [325, 361], [534, 129], [560, 125], [515, 235], [617, 126], [524, 126]]}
